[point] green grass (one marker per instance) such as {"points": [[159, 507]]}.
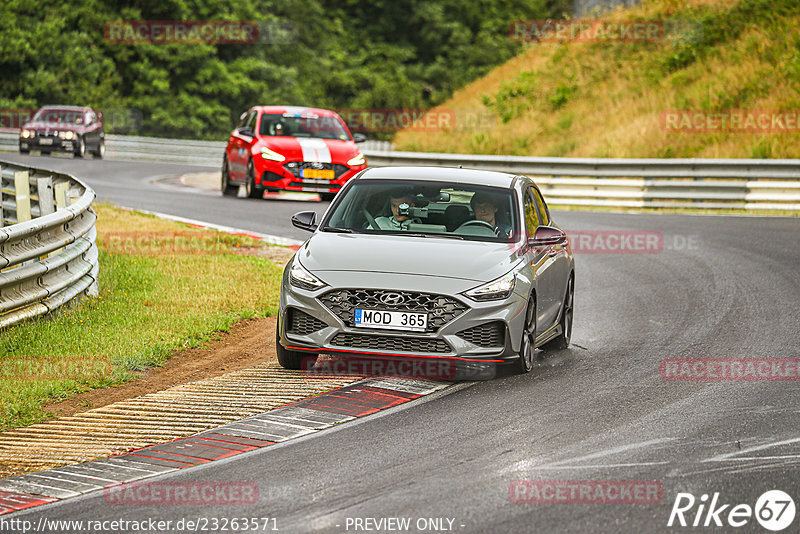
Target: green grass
{"points": [[153, 299]]}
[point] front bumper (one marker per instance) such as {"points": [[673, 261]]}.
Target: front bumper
{"points": [[485, 332], [49, 143], [286, 176]]}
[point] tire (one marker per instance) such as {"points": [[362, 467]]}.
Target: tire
{"points": [[292, 359], [528, 344], [562, 341], [24, 151], [81, 150], [101, 150], [250, 183], [45, 152], [228, 189], [327, 197]]}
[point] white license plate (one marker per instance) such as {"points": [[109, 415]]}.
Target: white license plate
{"points": [[393, 320], [45, 141]]}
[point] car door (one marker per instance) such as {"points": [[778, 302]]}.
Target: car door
{"points": [[542, 262], [559, 255], [239, 148]]}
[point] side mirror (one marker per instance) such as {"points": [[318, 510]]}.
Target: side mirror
{"points": [[305, 220], [359, 138], [547, 235]]}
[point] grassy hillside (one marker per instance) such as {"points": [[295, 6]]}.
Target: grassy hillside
{"points": [[607, 99]]}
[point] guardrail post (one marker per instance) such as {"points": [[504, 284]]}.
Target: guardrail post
{"points": [[44, 190], [23, 193], [61, 195]]}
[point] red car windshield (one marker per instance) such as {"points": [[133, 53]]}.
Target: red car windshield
{"points": [[63, 116], [302, 126]]}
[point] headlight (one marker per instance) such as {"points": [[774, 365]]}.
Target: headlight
{"points": [[300, 277], [271, 155], [69, 135], [358, 160], [26, 133], [497, 289]]}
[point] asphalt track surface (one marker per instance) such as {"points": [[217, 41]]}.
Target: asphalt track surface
{"points": [[723, 287]]}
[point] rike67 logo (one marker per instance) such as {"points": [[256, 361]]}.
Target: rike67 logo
{"points": [[774, 510]]}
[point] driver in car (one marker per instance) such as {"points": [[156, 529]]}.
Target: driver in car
{"points": [[397, 221], [484, 206]]}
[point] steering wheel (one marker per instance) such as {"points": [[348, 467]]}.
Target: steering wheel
{"points": [[370, 219], [477, 222]]}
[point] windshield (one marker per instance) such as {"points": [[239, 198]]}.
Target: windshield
{"points": [[290, 125], [440, 209], [63, 116]]}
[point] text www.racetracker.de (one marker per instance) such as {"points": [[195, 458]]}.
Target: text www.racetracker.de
{"points": [[199, 524]]}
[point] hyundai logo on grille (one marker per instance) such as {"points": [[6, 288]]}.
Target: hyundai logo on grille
{"points": [[392, 299]]}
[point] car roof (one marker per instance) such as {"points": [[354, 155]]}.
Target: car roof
{"points": [[67, 108], [439, 174], [296, 110]]}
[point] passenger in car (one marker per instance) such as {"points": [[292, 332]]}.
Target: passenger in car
{"points": [[397, 221]]}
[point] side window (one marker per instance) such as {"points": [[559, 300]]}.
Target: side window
{"points": [[544, 215], [249, 122], [242, 121], [531, 217]]}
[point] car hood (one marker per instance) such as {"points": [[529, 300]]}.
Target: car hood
{"points": [[53, 126], [310, 148], [431, 256]]}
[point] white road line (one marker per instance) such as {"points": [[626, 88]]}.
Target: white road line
{"points": [[730, 455], [267, 238], [598, 466], [609, 452]]}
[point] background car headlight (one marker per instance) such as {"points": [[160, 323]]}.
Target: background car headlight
{"points": [[69, 135], [358, 160], [495, 290], [26, 134], [271, 155], [300, 277]]}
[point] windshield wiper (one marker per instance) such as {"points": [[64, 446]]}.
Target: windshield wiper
{"points": [[415, 234], [337, 230]]}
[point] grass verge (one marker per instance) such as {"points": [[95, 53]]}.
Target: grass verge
{"points": [[163, 286]]}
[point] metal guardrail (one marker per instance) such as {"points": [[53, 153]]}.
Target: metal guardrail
{"points": [[737, 184], [747, 184], [48, 255]]}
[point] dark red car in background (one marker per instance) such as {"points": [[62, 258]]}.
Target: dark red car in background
{"points": [[64, 129], [290, 148]]}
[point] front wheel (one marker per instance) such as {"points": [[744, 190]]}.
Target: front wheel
{"points": [[24, 151], [80, 150], [250, 183], [562, 341], [528, 345], [292, 359]]}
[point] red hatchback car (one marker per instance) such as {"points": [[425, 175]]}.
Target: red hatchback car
{"points": [[290, 148]]}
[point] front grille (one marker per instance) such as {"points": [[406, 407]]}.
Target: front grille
{"points": [[485, 335], [390, 344], [295, 166], [440, 309], [301, 323]]}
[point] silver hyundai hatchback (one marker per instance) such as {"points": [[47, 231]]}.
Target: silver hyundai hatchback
{"points": [[459, 265]]}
